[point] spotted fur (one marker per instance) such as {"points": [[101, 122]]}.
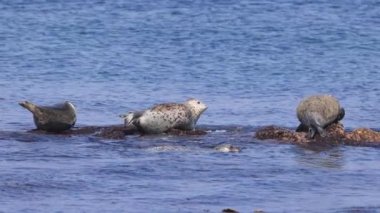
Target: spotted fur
{"points": [[163, 117]]}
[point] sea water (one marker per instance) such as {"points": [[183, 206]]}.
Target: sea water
{"points": [[251, 62]]}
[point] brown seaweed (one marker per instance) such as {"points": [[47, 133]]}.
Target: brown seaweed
{"points": [[336, 134]]}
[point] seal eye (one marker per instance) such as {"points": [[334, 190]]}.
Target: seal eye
{"points": [[198, 102]]}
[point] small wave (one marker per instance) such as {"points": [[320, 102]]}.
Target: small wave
{"points": [[167, 148], [217, 131]]}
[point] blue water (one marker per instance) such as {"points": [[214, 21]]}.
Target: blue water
{"points": [[251, 62]]}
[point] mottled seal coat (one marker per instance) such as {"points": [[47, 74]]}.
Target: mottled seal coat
{"points": [[55, 118], [317, 112], [163, 117]]}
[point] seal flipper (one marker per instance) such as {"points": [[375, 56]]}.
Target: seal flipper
{"points": [[341, 115], [302, 128], [311, 132], [321, 131], [316, 121]]}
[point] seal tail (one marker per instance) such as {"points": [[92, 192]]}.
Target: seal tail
{"points": [[29, 106]]}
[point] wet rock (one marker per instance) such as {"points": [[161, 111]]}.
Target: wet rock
{"points": [[362, 136], [335, 130], [111, 133], [229, 211], [107, 132], [335, 134], [116, 131], [281, 134]]}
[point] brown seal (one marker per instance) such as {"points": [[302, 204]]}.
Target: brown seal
{"points": [[317, 112], [55, 118]]}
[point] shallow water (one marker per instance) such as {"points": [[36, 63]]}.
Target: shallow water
{"points": [[251, 62]]}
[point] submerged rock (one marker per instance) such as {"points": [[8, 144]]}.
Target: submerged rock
{"points": [[229, 211], [335, 134], [107, 132], [116, 132]]}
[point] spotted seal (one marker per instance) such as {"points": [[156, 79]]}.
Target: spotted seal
{"points": [[163, 117], [317, 112], [55, 118]]}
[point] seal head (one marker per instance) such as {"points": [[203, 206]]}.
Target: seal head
{"points": [[57, 118], [317, 112]]}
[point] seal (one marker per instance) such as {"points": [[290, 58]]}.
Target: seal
{"points": [[163, 117], [55, 118], [227, 148], [317, 112]]}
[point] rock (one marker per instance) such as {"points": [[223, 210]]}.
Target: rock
{"points": [[335, 134], [107, 132], [116, 131], [362, 136], [281, 134], [229, 211]]}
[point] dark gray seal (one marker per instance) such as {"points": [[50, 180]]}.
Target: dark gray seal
{"points": [[55, 118], [163, 117], [317, 112]]}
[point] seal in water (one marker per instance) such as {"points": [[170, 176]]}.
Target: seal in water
{"points": [[163, 117], [55, 118], [227, 148], [317, 112]]}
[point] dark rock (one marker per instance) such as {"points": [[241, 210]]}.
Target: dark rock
{"points": [[229, 211], [108, 132], [115, 131]]}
